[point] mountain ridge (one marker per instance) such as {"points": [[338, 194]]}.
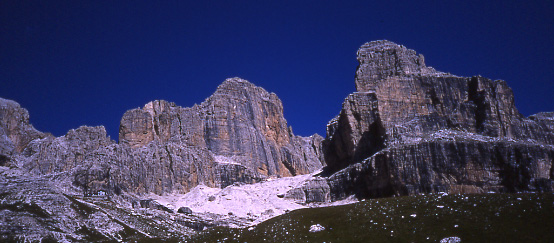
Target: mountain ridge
{"points": [[408, 129]]}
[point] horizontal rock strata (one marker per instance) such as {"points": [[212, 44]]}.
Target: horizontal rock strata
{"points": [[411, 129]]}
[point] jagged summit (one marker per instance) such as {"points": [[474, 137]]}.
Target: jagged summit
{"points": [[408, 129], [240, 121], [15, 130], [237, 87], [236, 83], [425, 131], [382, 59]]}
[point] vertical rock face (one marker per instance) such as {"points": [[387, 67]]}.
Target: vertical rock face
{"points": [[356, 133], [412, 129], [414, 99], [51, 154], [240, 124], [238, 134], [15, 130], [380, 60], [408, 129]]}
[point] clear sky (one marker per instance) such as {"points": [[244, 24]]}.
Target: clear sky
{"points": [[73, 63]]}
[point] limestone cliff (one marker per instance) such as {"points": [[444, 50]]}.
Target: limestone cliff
{"points": [[238, 134], [411, 129], [240, 123], [407, 129], [15, 130]]}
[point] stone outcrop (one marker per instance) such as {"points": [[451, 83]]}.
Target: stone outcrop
{"points": [[407, 129], [239, 124], [60, 154], [15, 130], [156, 168], [185, 210], [153, 204], [381, 60], [356, 133], [411, 129], [238, 134]]}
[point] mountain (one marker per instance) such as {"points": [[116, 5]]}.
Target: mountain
{"points": [[233, 161], [237, 135], [410, 129]]}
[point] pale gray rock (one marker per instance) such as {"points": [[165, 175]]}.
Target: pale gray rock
{"points": [[238, 134], [240, 124], [156, 168], [316, 190], [41, 209], [410, 129], [316, 228], [452, 239], [382, 59], [15, 130], [65, 153]]}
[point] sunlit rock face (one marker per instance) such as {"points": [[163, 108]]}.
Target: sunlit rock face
{"points": [[381, 60], [59, 154], [414, 100], [238, 134], [15, 130], [407, 129], [239, 124], [410, 129]]}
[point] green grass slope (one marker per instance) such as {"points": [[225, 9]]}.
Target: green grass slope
{"points": [[423, 218]]}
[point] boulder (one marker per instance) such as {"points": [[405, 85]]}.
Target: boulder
{"points": [[185, 210], [153, 204]]}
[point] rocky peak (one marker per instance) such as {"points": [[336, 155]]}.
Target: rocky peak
{"points": [[241, 122], [411, 129], [88, 138], [235, 82], [139, 127], [15, 128], [382, 59]]}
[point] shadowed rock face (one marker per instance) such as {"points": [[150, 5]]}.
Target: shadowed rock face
{"points": [[356, 133], [410, 129], [414, 99]]}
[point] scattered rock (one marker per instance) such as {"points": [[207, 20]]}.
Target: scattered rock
{"points": [[185, 210], [153, 204], [268, 212], [451, 240], [316, 228], [408, 129]]}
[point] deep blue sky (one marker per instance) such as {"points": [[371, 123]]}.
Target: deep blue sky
{"points": [[73, 63]]}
